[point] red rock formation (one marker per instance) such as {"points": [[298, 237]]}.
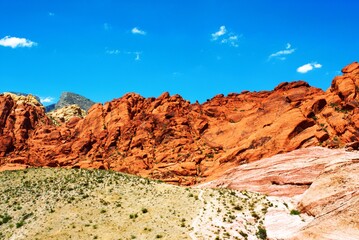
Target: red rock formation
{"points": [[171, 139], [19, 117]]}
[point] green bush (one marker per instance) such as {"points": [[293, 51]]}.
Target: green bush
{"points": [[261, 233], [294, 212], [20, 224], [6, 218]]}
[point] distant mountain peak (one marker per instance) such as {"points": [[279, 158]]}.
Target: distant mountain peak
{"points": [[69, 98]]}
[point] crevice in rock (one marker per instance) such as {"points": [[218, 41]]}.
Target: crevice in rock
{"points": [[301, 127], [273, 182]]}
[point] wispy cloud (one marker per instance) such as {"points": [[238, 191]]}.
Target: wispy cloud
{"points": [[113, 52], [222, 30], [15, 42], [232, 40], [281, 55], [223, 37], [308, 67], [107, 26], [47, 99], [138, 56], [136, 30], [51, 14]]}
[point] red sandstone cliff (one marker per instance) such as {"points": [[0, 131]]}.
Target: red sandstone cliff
{"points": [[171, 139]]}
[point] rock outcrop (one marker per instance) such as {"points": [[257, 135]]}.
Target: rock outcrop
{"points": [[19, 117], [63, 115], [333, 199], [23, 94], [322, 182], [69, 98], [288, 175], [171, 139]]}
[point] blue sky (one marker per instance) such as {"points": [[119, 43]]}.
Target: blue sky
{"points": [[103, 49]]}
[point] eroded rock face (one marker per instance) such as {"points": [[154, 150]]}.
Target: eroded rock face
{"points": [[171, 139], [19, 117]]}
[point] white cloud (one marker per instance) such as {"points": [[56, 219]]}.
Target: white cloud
{"points": [[51, 14], [136, 30], [222, 30], [317, 65], [282, 53], [138, 56], [107, 26], [232, 40], [47, 99], [224, 37], [113, 52], [308, 67], [15, 42]]}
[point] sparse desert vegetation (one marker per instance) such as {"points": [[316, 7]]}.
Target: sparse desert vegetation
{"points": [[90, 204], [43, 203]]}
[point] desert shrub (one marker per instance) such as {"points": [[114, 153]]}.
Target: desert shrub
{"points": [[243, 234], [5, 218], [261, 233], [238, 208], [210, 155], [20, 224], [294, 212], [133, 216]]}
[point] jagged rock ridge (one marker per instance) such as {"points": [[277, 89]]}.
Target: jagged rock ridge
{"points": [[171, 139], [25, 95]]}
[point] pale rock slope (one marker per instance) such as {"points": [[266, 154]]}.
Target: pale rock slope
{"points": [[319, 182]]}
